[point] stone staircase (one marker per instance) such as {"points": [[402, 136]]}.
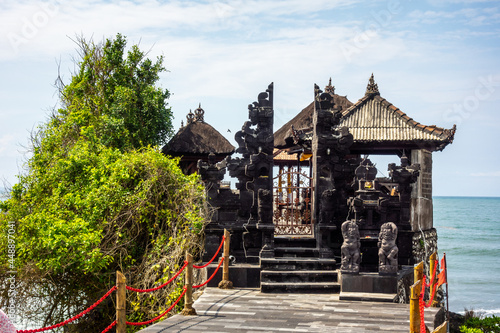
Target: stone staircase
{"points": [[298, 268]]}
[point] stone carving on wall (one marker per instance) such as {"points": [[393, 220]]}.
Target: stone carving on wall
{"points": [[265, 224], [367, 199], [327, 207], [211, 173], [254, 171], [329, 145], [388, 250], [404, 175], [350, 250]]}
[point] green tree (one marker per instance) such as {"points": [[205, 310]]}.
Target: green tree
{"points": [[97, 196], [113, 98]]}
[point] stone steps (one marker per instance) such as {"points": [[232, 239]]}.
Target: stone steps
{"points": [[299, 276], [295, 252], [300, 287], [297, 242], [295, 264], [296, 268]]}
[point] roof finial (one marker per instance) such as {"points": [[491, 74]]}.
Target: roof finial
{"points": [[372, 87], [190, 117], [199, 114], [329, 88]]}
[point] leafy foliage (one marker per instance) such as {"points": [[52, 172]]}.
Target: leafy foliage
{"points": [[113, 100], [97, 196], [480, 324]]}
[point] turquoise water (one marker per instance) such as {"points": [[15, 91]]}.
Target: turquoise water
{"points": [[469, 232]]}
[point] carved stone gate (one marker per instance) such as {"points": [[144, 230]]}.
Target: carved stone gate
{"points": [[292, 193]]}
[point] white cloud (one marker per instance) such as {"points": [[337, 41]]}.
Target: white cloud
{"points": [[465, 16], [223, 53], [39, 27]]}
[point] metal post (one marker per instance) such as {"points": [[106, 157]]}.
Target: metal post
{"points": [[415, 307], [188, 297], [418, 272], [225, 283], [432, 265], [446, 279], [121, 297]]}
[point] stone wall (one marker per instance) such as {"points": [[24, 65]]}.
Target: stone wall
{"points": [[424, 244], [421, 196]]}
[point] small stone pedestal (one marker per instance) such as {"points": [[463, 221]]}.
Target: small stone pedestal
{"points": [[368, 287]]}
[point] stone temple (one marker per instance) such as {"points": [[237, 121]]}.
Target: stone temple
{"points": [[308, 212]]}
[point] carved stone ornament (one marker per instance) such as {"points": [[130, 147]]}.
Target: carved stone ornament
{"points": [[211, 173], [387, 249], [327, 207], [190, 117], [350, 250], [372, 87], [199, 114]]}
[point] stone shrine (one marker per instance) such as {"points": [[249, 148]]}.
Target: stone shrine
{"points": [[308, 206]]}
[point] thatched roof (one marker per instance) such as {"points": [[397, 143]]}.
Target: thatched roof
{"points": [[198, 138], [303, 121]]}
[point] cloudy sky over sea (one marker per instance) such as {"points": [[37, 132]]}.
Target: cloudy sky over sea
{"points": [[438, 61]]}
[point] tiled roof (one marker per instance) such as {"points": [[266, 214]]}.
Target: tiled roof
{"points": [[371, 120], [282, 155], [374, 119]]}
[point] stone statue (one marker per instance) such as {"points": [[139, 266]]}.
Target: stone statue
{"points": [[350, 248], [388, 250], [327, 207]]}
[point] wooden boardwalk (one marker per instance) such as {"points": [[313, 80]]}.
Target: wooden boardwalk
{"points": [[250, 311]]}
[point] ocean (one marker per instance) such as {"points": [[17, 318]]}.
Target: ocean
{"points": [[469, 233]]}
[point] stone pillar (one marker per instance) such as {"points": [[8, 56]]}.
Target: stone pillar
{"points": [[255, 174], [421, 214], [265, 224], [329, 146], [211, 174]]}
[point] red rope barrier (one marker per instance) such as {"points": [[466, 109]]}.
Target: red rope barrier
{"points": [[67, 321], [109, 327], [161, 315], [432, 293], [163, 285], [421, 308], [215, 255], [211, 277], [431, 281], [429, 303], [140, 291]]}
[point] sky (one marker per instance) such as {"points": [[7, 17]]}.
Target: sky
{"points": [[438, 61]]}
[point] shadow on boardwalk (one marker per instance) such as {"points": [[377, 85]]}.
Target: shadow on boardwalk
{"points": [[248, 310]]}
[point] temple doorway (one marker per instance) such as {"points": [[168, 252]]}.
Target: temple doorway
{"points": [[292, 193]]}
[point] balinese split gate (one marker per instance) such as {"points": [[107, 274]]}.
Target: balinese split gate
{"points": [[307, 211]]}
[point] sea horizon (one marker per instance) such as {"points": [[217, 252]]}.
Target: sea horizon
{"points": [[468, 229]]}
